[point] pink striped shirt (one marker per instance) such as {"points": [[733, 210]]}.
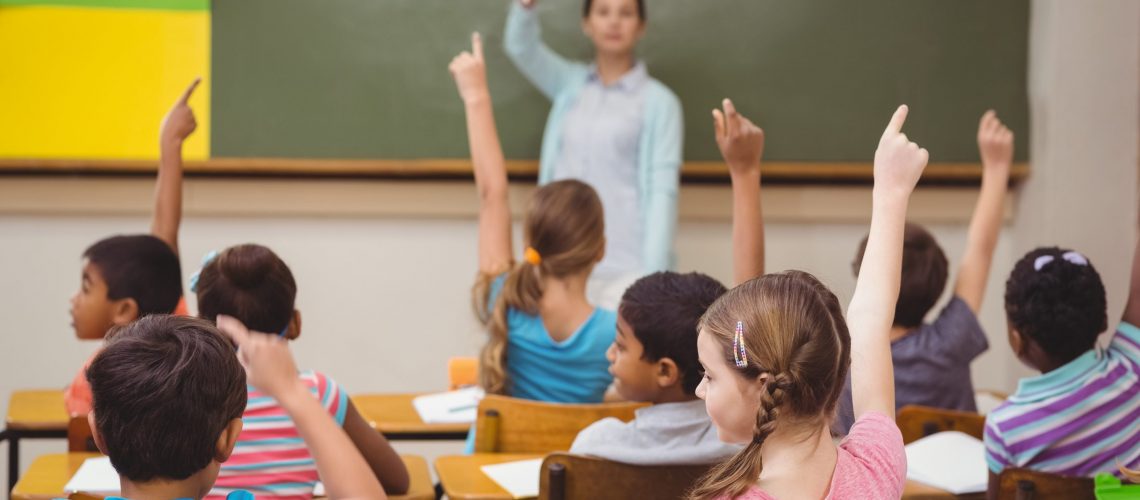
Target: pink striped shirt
{"points": [[271, 459]]}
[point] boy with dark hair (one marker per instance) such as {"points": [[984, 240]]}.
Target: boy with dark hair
{"points": [[169, 394], [654, 356], [932, 360], [128, 277]]}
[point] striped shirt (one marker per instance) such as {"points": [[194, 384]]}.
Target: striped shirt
{"points": [[1078, 420], [271, 459]]}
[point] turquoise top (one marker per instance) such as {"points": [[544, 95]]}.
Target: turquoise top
{"points": [[659, 142]]}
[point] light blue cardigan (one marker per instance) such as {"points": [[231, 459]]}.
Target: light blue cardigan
{"points": [[659, 162]]}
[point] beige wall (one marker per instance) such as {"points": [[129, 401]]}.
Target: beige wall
{"points": [[384, 267]]}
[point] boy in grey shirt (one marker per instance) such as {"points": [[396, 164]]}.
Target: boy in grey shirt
{"points": [[654, 356]]}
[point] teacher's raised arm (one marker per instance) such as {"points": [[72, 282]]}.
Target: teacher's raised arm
{"points": [[612, 126]]}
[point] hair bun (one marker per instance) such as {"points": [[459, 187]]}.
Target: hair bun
{"points": [[246, 266]]}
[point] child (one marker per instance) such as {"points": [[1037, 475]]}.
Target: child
{"points": [[654, 357], [613, 126], [775, 352], [933, 359], [1079, 417], [547, 342], [127, 277], [168, 393], [250, 283]]}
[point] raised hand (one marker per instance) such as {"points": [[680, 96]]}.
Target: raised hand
{"points": [[179, 122], [470, 73], [898, 161], [269, 365], [995, 142], [740, 141]]}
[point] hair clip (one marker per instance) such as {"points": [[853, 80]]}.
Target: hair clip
{"points": [[738, 352], [1071, 257], [532, 256], [213, 254]]}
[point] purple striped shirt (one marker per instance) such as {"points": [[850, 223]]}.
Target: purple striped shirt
{"points": [[1078, 420]]}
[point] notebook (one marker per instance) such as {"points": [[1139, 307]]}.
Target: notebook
{"points": [[951, 461], [96, 475], [455, 407], [520, 479]]}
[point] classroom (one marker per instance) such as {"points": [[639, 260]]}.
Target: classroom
{"points": [[425, 186]]}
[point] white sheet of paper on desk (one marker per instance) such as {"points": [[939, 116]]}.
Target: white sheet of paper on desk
{"points": [[951, 461], [520, 479], [96, 475], [455, 407]]}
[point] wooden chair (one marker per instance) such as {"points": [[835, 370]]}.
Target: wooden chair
{"points": [[510, 425], [1025, 484], [566, 476], [917, 422], [79, 436], [462, 372]]}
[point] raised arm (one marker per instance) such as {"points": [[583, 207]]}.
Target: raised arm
{"points": [[178, 124], [898, 165], [1132, 308], [487, 157], [995, 143], [741, 144], [662, 187], [270, 368], [522, 41]]}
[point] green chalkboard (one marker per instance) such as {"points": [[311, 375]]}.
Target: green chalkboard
{"points": [[368, 78]]}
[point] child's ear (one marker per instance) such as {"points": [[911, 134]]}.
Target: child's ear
{"points": [[227, 440], [95, 436], [124, 311], [668, 374], [294, 326]]}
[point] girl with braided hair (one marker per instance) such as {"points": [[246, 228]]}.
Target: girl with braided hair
{"points": [[775, 353]]}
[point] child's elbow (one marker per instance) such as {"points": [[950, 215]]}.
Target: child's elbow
{"points": [[399, 483]]}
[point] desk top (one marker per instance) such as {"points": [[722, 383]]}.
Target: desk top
{"points": [[393, 414], [37, 410], [48, 474]]}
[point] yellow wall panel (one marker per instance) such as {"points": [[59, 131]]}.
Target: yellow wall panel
{"points": [[95, 82]]}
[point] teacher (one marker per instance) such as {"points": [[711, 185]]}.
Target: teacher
{"points": [[612, 126]]}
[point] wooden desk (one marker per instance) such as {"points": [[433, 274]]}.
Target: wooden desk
{"points": [[463, 480], [34, 414], [394, 416], [48, 475]]}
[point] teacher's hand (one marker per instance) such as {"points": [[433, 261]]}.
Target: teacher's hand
{"points": [[740, 141], [470, 73]]}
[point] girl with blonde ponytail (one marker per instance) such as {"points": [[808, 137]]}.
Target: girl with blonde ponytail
{"points": [[547, 342], [775, 352]]}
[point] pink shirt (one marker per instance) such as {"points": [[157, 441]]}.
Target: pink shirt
{"points": [[271, 459], [871, 463]]}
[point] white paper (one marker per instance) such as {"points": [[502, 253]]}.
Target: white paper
{"points": [[520, 479], [455, 407], [96, 475], [950, 461], [319, 489]]}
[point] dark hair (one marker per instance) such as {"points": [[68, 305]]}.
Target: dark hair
{"points": [[663, 309], [164, 388], [140, 267], [565, 225], [641, 14], [924, 275], [250, 283], [1061, 306]]}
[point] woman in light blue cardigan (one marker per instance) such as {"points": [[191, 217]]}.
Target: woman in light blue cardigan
{"points": [[612, 126]]}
